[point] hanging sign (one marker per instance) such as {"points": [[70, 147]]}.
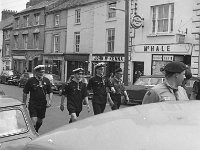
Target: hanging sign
{"points": [[136, 21]]}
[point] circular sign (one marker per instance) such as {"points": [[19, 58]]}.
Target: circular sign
{"points": [[136, 21]]}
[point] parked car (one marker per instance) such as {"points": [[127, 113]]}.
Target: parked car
{"points": [[16, 128], [5, 75], [137, 91], [158, 126], [14, 79], [24, 78]]}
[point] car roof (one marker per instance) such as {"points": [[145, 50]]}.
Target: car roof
{"points": [[172, 125], [6, 101]]}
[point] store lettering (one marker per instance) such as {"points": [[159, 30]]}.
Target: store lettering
{"points": [[109, 58], [157, 48]]}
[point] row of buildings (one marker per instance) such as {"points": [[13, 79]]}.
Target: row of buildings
{"points": [[65, 34]]}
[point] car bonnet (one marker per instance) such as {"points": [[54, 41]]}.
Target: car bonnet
{"points": [[158, 126]]}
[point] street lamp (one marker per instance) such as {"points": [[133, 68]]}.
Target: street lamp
{"points": [[126, 41]]}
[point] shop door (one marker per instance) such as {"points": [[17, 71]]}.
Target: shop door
{"points": [[138, 70]]}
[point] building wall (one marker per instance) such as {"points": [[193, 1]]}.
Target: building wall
{"points": [[183, 17], [86, 28]]}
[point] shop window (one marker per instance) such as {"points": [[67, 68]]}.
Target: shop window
{"points": [[162, 18]]}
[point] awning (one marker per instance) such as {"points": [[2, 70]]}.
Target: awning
{"points": [[25, 32], [36, 30], [19, 57], [76, 57]]}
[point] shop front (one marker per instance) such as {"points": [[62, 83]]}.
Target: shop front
{"points": [[74, 61], [54, 64], [112, 61], [156, 56]]}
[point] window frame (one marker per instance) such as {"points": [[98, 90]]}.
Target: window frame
{"points": [[77, 16], [111, 12], [77, 40], [26, 21], [56, 45], [162, 18], [110, 40], [57, 20], [7, 49], [37, 18], [16, 38], [36, 40], [25, 41], [17, 23]]}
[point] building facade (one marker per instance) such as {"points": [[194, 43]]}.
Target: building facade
{"points": [[166, 35]]}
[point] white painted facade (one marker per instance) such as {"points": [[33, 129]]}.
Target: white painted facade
{"points": [[154, 49]]}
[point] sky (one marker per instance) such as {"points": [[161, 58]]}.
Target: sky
{"points": [[16, 5]]}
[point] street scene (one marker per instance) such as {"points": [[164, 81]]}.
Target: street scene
{"points": [[99, 74]]}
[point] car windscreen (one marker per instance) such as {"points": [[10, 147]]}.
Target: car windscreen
{"points": [[12, 122]]}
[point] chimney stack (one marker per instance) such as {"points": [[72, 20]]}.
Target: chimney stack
{"points": [[7, 13]]}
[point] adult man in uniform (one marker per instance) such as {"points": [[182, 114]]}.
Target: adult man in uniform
{"points": [[119, 89], [101, 86], [171, 89], [75, 91], [38, 86]]}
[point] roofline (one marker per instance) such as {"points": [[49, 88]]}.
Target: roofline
{"points": [[71, 7], [24, 12]]}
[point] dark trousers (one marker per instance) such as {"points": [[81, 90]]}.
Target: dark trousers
{"points": [[98, 108], [116, 98]]}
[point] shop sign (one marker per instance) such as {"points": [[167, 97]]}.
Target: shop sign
{"points": [[136, 21], [168, 57], [157, 57], [164, 48], [54, 57], [157, 48], [6, 58], [108, 58]]}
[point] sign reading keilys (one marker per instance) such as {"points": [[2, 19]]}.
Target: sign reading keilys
{"points": [[136, 21]]}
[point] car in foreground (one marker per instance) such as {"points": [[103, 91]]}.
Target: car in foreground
{"points": [[168, 125], [137, 91], [16, 128], [5, 75], [14, 79], [24, 78]]}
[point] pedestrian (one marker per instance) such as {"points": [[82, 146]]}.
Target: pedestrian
{"points": [[76, 92], [120, 91], [101, 86], [171, 89], [195, 94], [38, 87], [188, 75]]}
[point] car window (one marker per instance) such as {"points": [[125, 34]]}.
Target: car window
{"points": [[155, 81], [12, 122], [142, 81]]}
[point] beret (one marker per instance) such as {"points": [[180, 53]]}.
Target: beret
{"points": [[175, 67], [40, 68], [118, 70], [78, 70], [99, 65]]}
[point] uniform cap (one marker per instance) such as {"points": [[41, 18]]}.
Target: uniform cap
{"points": [[78, 70], [175, 67], [118, 70], [40, 68], [99, 65]]}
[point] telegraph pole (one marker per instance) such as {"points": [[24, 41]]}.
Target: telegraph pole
{"points": [[126, 44]]}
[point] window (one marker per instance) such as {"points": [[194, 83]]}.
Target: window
{"points": [[57, 17], [16, 38], [111, 12], [7, 34], [25, 40], [17, 23], [56, 43], [36, 40], [7, 49], [77, 41], [110, 39], [37, 19], [26, 18], [77, 16], [162, 18]]}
